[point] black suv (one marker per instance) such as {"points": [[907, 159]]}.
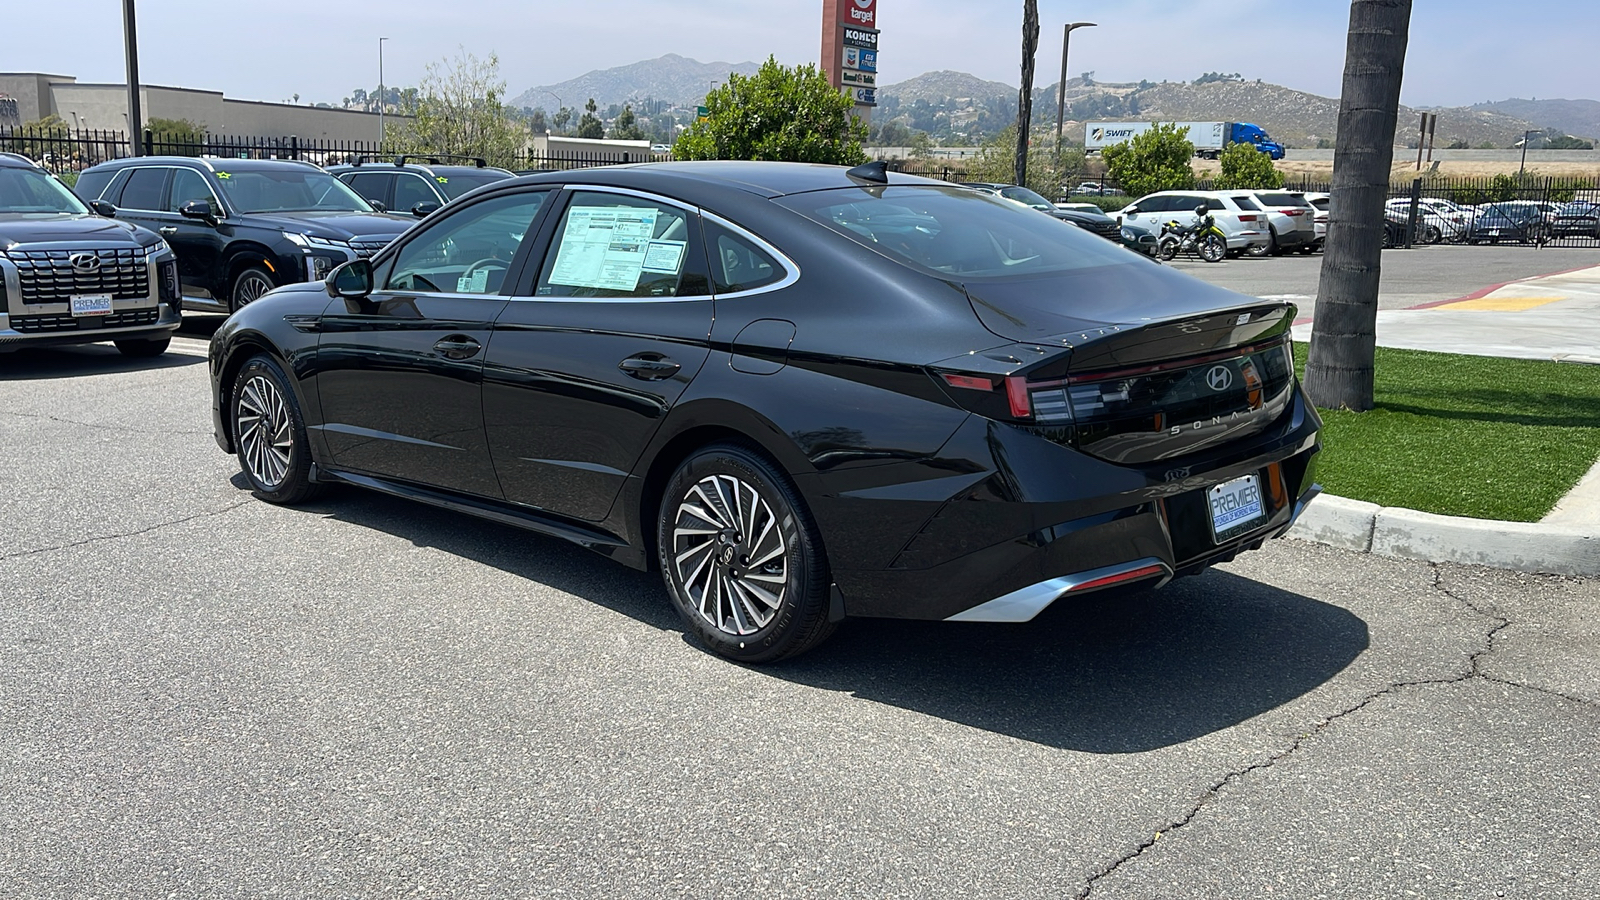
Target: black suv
{"points": [[68, 277], [241, 227], [416, 185]]}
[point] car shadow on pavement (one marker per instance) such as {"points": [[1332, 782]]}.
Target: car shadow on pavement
{"points": [[1106, 673], [30, 364]]}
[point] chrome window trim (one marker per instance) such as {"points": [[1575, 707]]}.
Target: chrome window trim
{"points": [[227, 212]]}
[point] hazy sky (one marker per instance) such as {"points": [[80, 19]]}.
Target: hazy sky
{"points": [[1461, 51]]}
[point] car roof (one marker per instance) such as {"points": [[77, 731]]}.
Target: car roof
{"points": [[767, 179], [17, 161], [426, 168], [212, 163]]}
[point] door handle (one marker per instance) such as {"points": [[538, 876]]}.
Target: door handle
{"points": [[458, 346], [168, 229], [649, 368]]}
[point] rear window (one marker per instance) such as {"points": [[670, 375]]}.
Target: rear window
{"points": [[1282, 199], [455, 185], [1245, 203], [952, 231]]}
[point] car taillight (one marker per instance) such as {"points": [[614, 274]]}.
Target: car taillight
{"points": [[1039, 402], [1247, 218]]}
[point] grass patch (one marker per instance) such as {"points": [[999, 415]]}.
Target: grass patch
{"points": [[1472, 436]]}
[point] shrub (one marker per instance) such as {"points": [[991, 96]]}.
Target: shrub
{"points": [[1157, 160]]}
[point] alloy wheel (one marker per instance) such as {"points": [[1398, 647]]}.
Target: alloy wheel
{"points": [[729, 554], [251, 286], [264, 431]]}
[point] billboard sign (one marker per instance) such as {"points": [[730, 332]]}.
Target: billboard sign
{"points": [[865, 96], [861, 37], [859, 12], [859, 79]]}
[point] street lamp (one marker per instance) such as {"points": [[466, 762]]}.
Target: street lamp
{"points": [[1524, 162], [1061, 88], [380, 93]]}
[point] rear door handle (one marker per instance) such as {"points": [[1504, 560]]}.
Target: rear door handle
{"points": [[649, 368], [168, 229], [458, 346]]}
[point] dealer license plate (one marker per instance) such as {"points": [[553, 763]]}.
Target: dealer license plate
{"points": [[1235, 507], [91, 304]]}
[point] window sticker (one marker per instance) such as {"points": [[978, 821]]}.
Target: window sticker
{"points": [[476, 283], [664, 256], [603, 247]]}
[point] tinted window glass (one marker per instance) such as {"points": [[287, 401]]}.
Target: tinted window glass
{"points": [[458, 184], [143, 190], [1214, 204], [950, 231], [1283, 199], [1246, 203], [189, 185], [409, 190], [469, 251], [737, 264], [1154, 204], [293, 187], [371, 185], [608, 245], [33, 191], [1025, 196]]}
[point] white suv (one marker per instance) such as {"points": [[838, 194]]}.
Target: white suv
{"points": [[1235, 213], [1291, 220]]}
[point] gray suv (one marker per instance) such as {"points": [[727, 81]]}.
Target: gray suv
{"points": [[68, 276]]}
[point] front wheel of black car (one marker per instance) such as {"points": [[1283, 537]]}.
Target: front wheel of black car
{"points": [[270, 433], [741, 557]]}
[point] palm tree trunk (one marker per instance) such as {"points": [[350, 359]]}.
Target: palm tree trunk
{"points": [[1030, 46], [1339, 370]]}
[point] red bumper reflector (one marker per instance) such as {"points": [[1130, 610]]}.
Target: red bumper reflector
{"points": [[1120, 577], [970, 382]]}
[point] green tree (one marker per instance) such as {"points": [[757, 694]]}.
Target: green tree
{"points": [[561, 118], [921, 145], [778, 113], [626, 128], [589, 125], [175, 137], [458, 108], [1048, 173], [1245, 167], [1567, 142], [1157, 160]]}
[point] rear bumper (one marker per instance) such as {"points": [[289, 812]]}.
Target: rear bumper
{"points": [[1052, 522]]}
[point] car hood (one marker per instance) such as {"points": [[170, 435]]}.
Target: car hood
{"points": [[27, 228], [1058, 307], [333, 224], [1091, 220]]}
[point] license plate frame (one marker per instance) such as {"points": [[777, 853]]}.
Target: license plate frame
{"points": [[1235, 507], [90, 305]]}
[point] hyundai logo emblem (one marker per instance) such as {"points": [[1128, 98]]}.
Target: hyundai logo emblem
{"points": [[725, 556], [84, 262], [1219, 378]]}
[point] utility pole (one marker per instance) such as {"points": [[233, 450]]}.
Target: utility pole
{"points": [[1524, 163], [1061, 89], [135, 118], [380, 93]]}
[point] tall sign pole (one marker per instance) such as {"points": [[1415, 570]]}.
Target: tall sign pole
{"points": [[1061, 86], [850, 51], [135, 117]]}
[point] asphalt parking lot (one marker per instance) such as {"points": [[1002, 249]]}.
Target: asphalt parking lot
{"points": [[1409, 277], [202, 695]]}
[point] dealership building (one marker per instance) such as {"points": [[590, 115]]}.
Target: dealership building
{"points": [[27, 96]]}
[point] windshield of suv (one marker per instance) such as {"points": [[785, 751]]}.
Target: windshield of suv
{"points": [[289, 190], [1023, 195], [32, 191], [954, 231], [457, 184]]}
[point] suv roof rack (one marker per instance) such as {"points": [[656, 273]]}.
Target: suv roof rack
{"points": [[435, 158]]}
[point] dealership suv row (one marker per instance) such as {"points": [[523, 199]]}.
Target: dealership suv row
{"points": [[241, 227]]}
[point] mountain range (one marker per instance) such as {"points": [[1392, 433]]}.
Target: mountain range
{"points": [[949, 102]]}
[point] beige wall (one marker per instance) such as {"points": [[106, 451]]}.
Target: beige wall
{"points": [[31, 90]]}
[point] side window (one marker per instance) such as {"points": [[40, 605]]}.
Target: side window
{"points": [[1155, 204], [609, 245], [143, 189], [409, 190], [737, 264], [371, 185], [1183, 203], [188, 185], [469, 251], [1214, 204]]}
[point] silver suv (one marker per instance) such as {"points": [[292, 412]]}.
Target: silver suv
{"points": [[68, 276]]}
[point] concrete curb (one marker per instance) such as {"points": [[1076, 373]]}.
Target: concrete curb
{"points": [[1407, 533]]}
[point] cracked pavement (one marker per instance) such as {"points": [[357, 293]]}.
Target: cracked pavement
{"points": [[202, 695]]}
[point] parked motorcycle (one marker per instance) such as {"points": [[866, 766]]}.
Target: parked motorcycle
{"points": [[1204, 239]]}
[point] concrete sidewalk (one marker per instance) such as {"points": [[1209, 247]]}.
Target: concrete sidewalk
{"points": [[1548, 317]]}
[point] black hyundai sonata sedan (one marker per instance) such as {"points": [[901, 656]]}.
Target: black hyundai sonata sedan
{"points": [[801, 392]]}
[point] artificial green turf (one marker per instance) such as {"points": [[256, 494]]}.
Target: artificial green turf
{"points": [[1472, 436]]}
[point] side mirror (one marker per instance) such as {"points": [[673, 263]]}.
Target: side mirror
{"points": [[103, 208], [353, 280], [379, 205], [199, 209], [424, 209]]}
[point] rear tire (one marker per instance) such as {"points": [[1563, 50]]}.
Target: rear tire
{"points": [[144, 348], [741, 557]]}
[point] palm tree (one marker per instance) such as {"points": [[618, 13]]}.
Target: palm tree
{"points": [[1339, 370], [1030, 45]]}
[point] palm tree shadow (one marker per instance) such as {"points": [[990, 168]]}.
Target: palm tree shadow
{"points": [[1107, 673]]}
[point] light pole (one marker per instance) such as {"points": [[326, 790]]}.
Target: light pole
{"points": [[380, 93], [1524, 162], [131, 37], [1061, 88]]}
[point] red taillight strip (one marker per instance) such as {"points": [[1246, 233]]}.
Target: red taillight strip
{"points": [[1120, 578]]}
